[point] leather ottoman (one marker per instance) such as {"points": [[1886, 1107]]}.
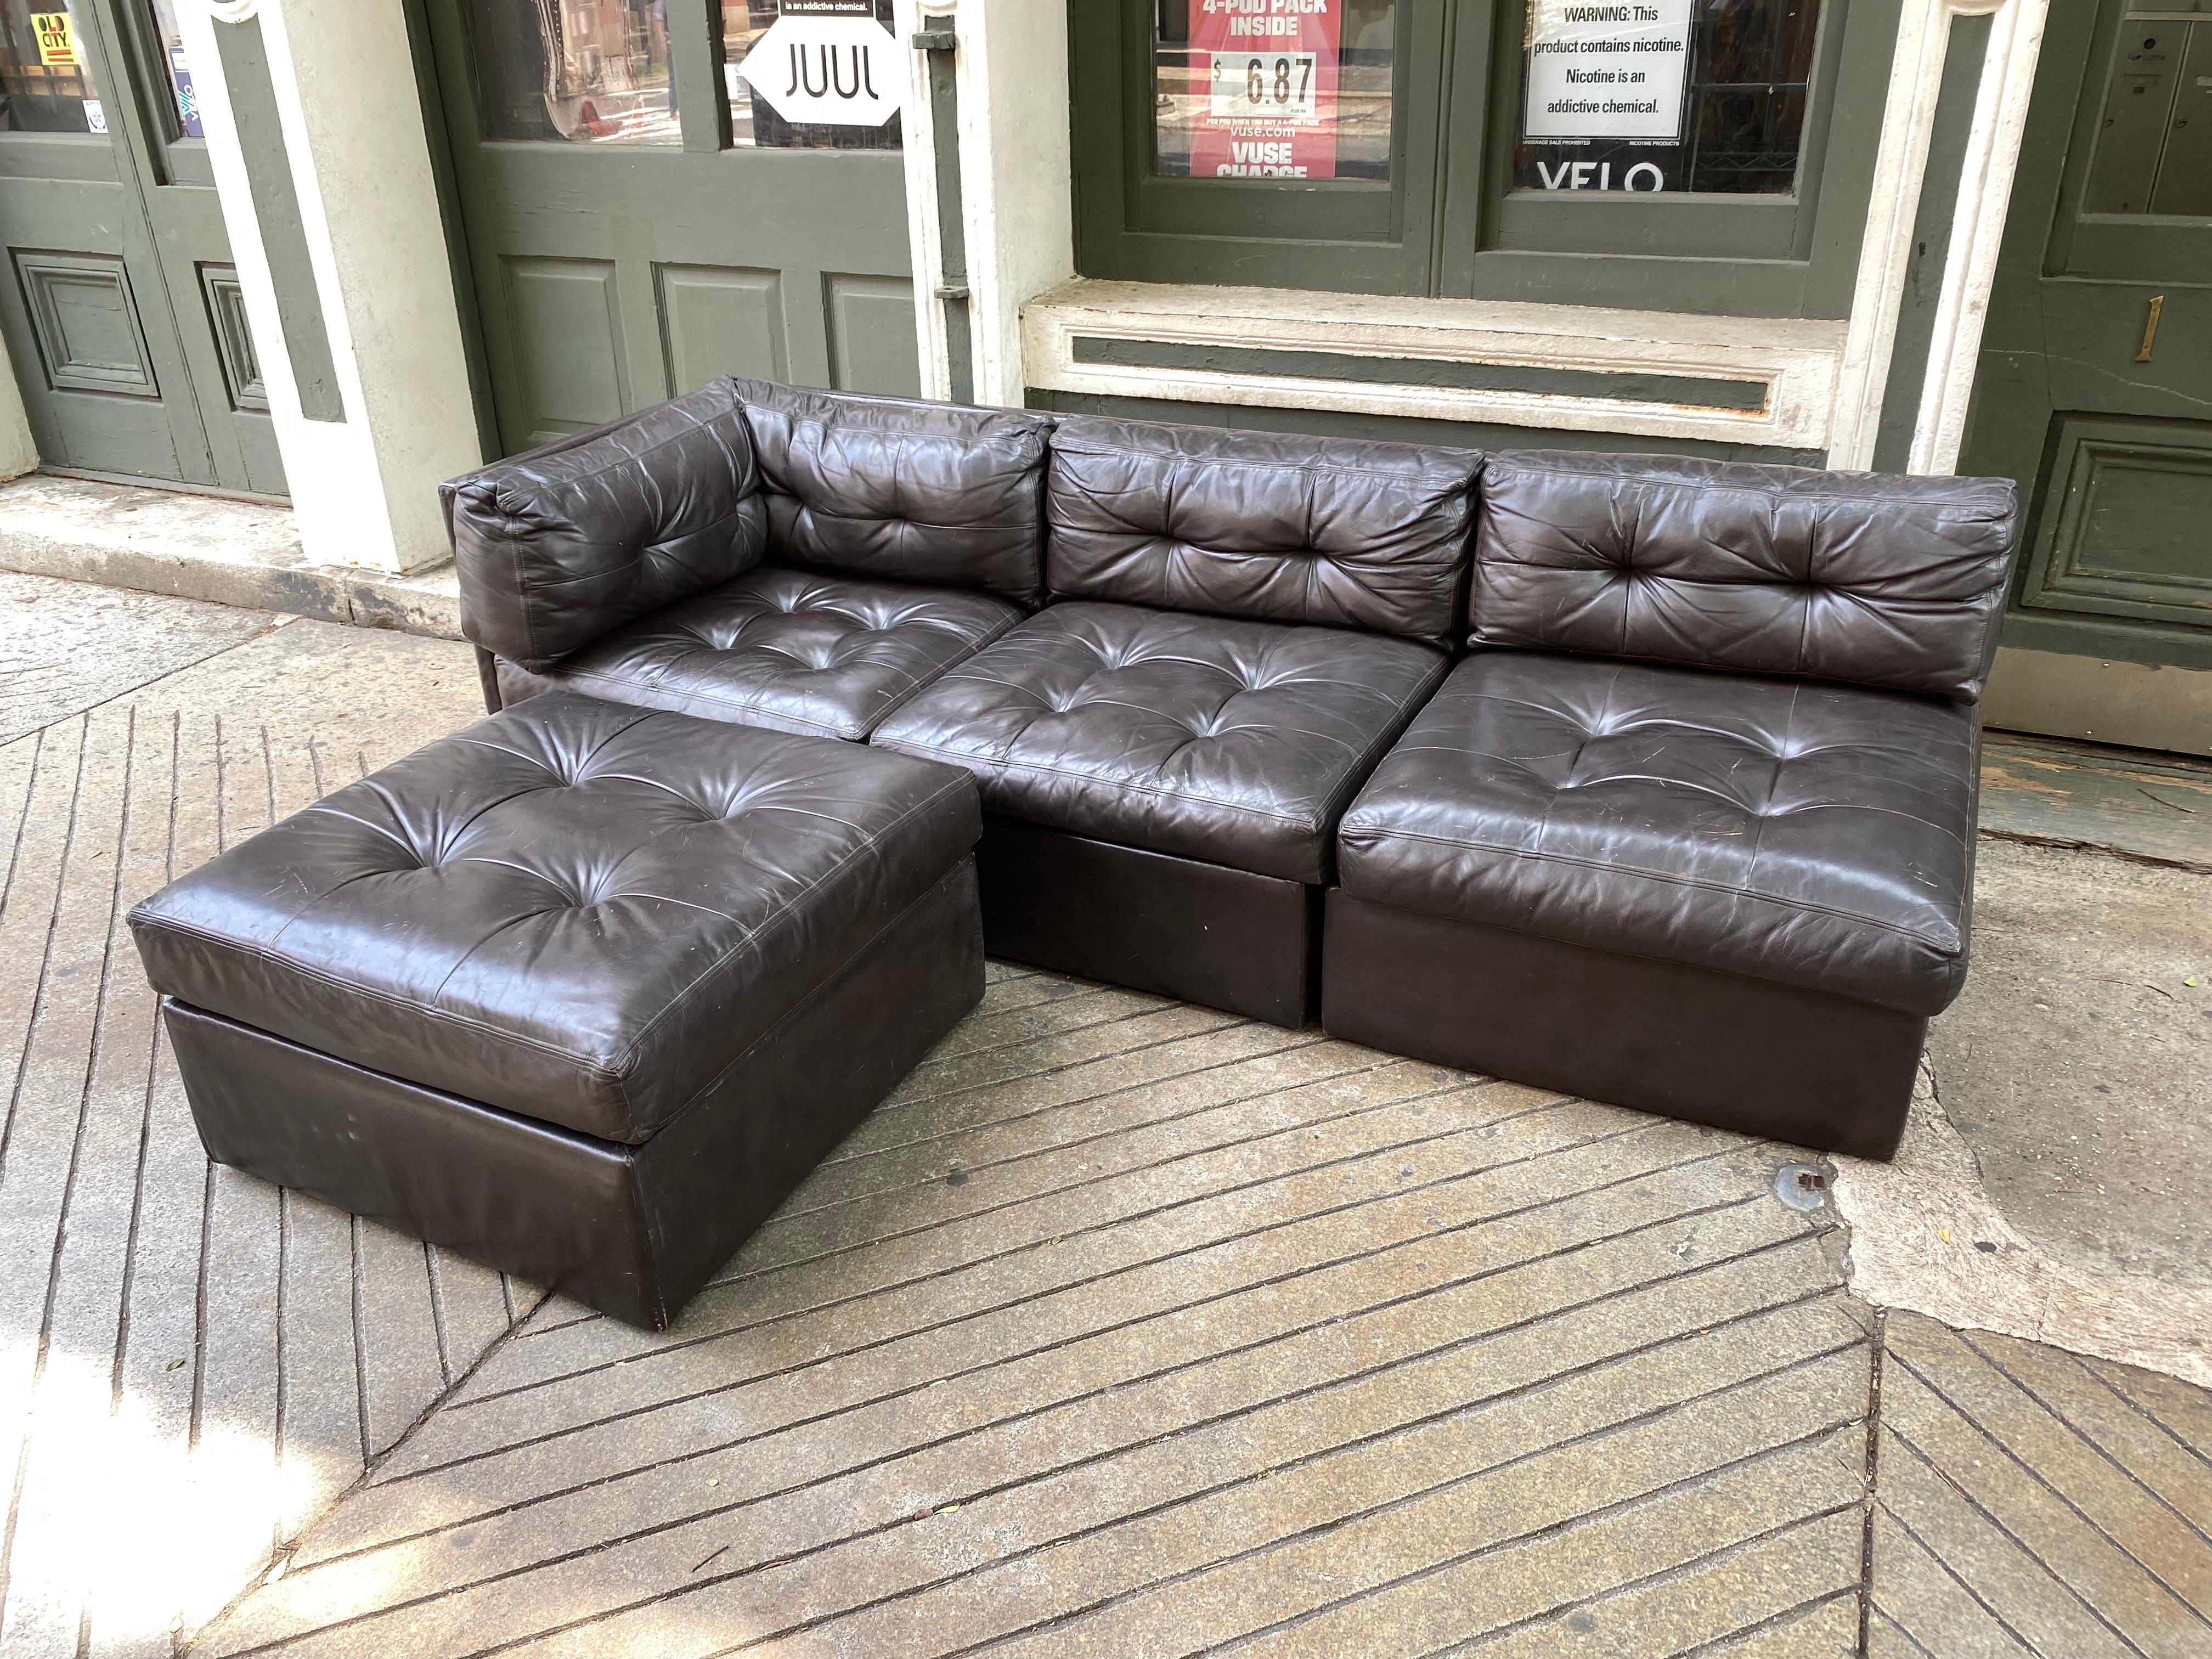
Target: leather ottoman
{"points": [[582, 991]]}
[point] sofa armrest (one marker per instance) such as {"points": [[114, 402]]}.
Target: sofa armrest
{"points": [[556, 547]]}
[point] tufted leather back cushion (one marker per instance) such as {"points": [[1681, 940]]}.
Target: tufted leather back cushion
{"points": [[893, 488], [1268, 525], [1876, 579], [555, 547]]}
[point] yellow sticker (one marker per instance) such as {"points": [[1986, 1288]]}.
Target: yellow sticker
{"points": [[56, 44]]}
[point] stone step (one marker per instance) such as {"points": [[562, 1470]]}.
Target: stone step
{"points": [[208, 547]]}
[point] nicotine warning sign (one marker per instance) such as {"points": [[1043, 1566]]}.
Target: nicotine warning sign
{"points": [[1606, 70]]}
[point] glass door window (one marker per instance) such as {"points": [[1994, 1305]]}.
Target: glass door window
{"points": [[840, 61], [1242, 90], [1683, 96], [169, 41], [578, 71], [46, 85]]}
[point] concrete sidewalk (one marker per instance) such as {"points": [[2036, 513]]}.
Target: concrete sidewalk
{"points": [[1126, 1326]]}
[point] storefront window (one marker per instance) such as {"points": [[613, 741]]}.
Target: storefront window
{"points": [[1653, 96], [829, 79], [1265, 89], [45, 85], [170, 41], [585, 71]]}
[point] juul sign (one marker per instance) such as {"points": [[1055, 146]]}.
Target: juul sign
{"points": [[825, 63]]}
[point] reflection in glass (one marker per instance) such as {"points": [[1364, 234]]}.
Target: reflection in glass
{"points": [[1247, 89], [170, 42], [1740, 84], [586, 71], [752, 122], [44, 83]]}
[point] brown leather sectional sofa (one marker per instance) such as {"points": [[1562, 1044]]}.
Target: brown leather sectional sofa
{"points": [[1640, 777]]}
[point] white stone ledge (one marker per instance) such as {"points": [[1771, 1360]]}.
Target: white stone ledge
{"points": [[1795, 358]]}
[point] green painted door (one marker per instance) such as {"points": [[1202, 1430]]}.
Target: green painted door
{"points": [[121, 307], [640, 219], [2094, 387]]}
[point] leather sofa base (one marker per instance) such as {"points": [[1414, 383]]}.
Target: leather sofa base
{"points": [[631, 1230], [1202, 932], [1686, 1043]]}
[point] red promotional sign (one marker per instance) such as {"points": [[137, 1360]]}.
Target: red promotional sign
{"points": [[1265, 81]]}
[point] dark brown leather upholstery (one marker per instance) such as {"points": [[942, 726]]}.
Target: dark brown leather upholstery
{"points": [[576, 911], [892, 487], [1235, 742], [556, 547], [631, 1230], [1266, 525], [1661, 1036], [827, 656], [1875, 579], [1813, 836], [1179, 926]]}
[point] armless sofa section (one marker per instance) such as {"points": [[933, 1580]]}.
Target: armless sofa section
{"points": [[1600, 861], [1242, 623]]}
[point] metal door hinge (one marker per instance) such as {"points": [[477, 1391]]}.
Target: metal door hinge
{"points": [[935, 39]]}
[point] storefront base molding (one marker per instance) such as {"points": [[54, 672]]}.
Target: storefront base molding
{"points": [[1766, 381], [2102, 699]]}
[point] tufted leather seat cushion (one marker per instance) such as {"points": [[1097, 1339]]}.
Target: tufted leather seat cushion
{"points": [[1237, 742], [556, 547], [829, 656], [1875, 579], [1267, 525], [1815, 835], [575, 911], [892, 487]]}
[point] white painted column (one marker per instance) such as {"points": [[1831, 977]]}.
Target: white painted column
{"points": [[1016, 185], [18, 451], [2007, 81], [364, 490]]}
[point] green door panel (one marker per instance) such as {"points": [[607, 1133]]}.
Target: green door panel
{"points": [[119, 305], [85, 323], [2122, 524], [872, 341], [2105, 420], [717, 320], [565, 328], [607, 276]]}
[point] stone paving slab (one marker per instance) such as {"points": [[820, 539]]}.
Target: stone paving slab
{"points": [[66, 646], [1123, 1327], [2077, 1063], [192, 1364]]}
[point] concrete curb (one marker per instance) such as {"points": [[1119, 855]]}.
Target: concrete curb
{"points": [[207, 547]]}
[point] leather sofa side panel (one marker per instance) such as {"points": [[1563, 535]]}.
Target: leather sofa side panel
{"points": [[1149, 921], [1872, 579], [1272, 527], [1174, 926], [556, 547], [900, 489], [1660, 1036]]}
